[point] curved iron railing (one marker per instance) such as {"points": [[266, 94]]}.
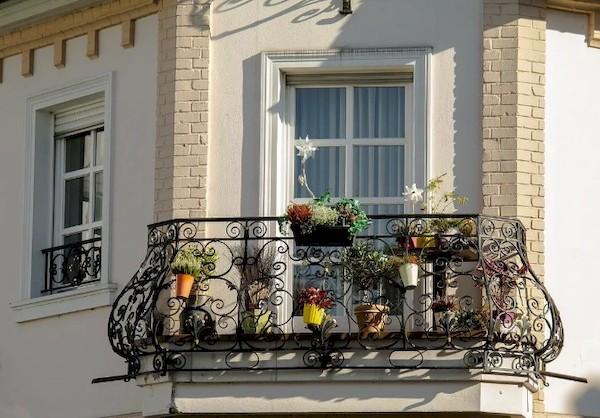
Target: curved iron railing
{"points": [[478, 304]]}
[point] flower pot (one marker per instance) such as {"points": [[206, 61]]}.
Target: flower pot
{"points": [[324, 236], [420, 242], [410, 275], [313, 315], [256, 321], [183, 285], [371, 318]]}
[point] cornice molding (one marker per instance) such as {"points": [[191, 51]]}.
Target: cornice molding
{"points": [[74, 24], [589, 7]]}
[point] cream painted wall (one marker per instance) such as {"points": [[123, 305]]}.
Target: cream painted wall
{"points": [[46, 366], [241, 30], [572, 179]]}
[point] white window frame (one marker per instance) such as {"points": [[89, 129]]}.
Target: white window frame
{"points": [[38, 233], [276, 128]]}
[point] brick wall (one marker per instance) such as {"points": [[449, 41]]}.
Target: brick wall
{"points": [[182, 120], [513, 121]]}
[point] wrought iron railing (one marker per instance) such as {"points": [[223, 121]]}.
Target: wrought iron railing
{"points": [[478, 304], [72, 265]]}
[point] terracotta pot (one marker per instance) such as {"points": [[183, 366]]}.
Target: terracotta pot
{"points": [[184, 283], [313, 315], [256, 321], [371, 318], [410, 275]]}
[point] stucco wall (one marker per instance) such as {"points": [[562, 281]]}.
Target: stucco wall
{"points": [[241, 30], [572, 179], [46, 365]]}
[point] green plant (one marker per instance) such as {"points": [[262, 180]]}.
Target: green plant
{"points": [[187, 262], [365, 266], [321, 212], [194, 261]]}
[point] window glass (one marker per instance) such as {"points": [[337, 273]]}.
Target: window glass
{"points": [[379, 112], [77, 201], [325, 172], [378, 171], [98, 183], [320, 113], [99, 147], [78, 152]]}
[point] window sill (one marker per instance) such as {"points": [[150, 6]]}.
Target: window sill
{"points": [[89, 297]]}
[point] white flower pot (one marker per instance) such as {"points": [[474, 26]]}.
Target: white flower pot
{"points": [[410, 275]]}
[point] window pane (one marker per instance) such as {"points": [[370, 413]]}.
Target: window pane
{"points": [[77, 201], [98, 183], [321, 113], [325, 172], [99, 147], [378, 171], [78, 152], [379, 112]]}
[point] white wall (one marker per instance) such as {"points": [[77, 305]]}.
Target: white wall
{"points": [[572, 207], [241, 30], [46, 366]]}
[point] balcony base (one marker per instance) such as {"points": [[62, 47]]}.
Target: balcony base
{"points": [[340, 392]]}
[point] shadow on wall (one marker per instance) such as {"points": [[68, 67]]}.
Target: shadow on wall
{"points": [[356, 31], [588, 403]]}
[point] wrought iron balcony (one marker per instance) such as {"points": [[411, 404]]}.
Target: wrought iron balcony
{"points": [[478, 305], [72, 265]]}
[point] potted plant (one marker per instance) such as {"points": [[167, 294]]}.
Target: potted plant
{"points": [[187, 267], [256, 268], [435, 202], [321, 222], [367, 268], [408, 266], [441, 307], [467, 322], [315, 302]]}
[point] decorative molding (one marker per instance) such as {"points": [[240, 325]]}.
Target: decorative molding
{"points": [[588, 7], [90, 297], [27, 63], [71, 25]]}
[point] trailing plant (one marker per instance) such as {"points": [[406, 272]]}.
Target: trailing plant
{"points": [[256, 268], [320, 212], [318, 297]]}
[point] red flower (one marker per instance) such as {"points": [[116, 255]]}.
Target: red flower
{"points": [[318, 297], [298, 213]]}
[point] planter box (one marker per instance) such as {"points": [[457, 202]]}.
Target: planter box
{"points": [[324, 236]]}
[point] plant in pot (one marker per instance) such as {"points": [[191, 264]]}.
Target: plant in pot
{"points": [[408, 265], [314, 303], [256, 268], [187, 267], [367, 268], [442, 306], [468, 322], [321, 222]]}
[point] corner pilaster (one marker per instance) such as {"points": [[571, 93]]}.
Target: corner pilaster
{"points": [[182, 120]]}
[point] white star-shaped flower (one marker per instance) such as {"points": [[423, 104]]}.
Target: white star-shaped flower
{"points": [[306, 150], [413, 194]]}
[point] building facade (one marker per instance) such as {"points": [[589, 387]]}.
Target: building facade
{"points": [[119, 114]]}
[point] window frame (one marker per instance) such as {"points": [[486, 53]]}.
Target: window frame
{"points": [[39, 175], [276, 190]]}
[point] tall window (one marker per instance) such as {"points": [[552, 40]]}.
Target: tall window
{"points": [[79, 166], [363, 138]]}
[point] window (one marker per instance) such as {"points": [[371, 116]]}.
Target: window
{"points": [[365, 110], [67, 171], [362, 136]]}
